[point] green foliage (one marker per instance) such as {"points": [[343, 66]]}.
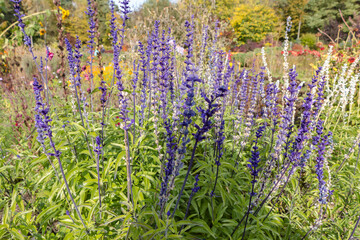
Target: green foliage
{"points": [[320, 12], [223, 9], [309, 40], [6, 15], [34, 203], [103, 16], [295, 9], [253, 22], [77, 22]]}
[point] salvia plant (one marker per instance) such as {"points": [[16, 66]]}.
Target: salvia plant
{"points": [[186, 146]]}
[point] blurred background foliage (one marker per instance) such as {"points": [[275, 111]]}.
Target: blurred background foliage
{"points": [[245, 21]]}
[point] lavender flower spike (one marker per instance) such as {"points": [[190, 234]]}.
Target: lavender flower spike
{"points": [[171, 147], [254, 162], [321, 143], [206, 116]]}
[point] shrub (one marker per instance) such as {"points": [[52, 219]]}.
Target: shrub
{"points": [[309, 40], [253, 22]]}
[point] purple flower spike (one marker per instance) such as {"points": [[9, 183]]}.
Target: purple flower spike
{"points": [[21, 24], [42, 124], [255, 157], [322, 142], [171, 147]]}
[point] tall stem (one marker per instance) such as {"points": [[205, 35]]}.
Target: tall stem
{"points": [[82, 119], [186, 177], [356, 225], [134, 118], [66, 183], [248, 211], [128, 169], [98, 178]]}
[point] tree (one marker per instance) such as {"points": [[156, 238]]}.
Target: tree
{"points": [[103, 10], [321, 12], [253, 22], [6, 14], [77, 23], [296, 10]]}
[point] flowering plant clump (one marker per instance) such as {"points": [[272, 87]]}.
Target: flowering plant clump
{"points": [[168, 144]]}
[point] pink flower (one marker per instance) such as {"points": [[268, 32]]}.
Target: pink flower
{"points": [[58, 71], [50, 55], [89, 90], [83, 68]]}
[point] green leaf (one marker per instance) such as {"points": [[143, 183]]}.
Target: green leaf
{"points": [[46, 214], [16, 234]]}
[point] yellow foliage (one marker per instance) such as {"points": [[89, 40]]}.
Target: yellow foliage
{"points": [[77, 23], [108, 72], [253, 22]]}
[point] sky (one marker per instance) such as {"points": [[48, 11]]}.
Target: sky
{"points": [[136, 3]]}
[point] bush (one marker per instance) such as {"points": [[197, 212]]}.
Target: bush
{"points": [[253, 22], [309, 40]]}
